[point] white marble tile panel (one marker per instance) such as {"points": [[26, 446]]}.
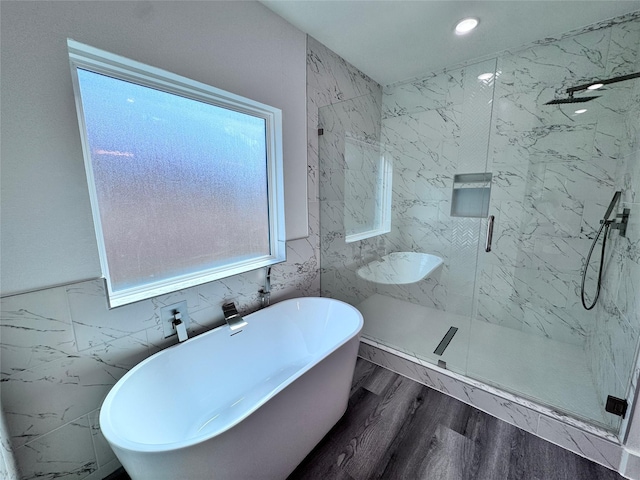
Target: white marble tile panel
{"points": [[104, 453], [621, 342], [475, 124], [503, 409], [584, 180], [34, 328], [434, 91], [327, 72], [241, 289], [605, 379], [431, 185], [555, 254], [624, 49], [104, 471], [501, 284], [331, 152], [39, 400], [415, 211], [459, 304], [552, 213], [427, 140], [509, 183], [560, 324], [627, 296], [123, 354], [583, 443], [509, 250], [561, 63], [358, 117], [500, 311], [300, 271], [332, 185], [558, 142], [592, 213], [64, 453], [94, 323], [631, 244], [547, 289], [313, 184], [461, 281]]}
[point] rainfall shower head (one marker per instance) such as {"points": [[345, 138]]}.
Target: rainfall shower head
{"points": [[571, 99], [594, 84]]}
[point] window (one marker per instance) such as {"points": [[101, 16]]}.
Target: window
{"points": [[185, 179]]}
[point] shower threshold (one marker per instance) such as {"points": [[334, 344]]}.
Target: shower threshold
{"points": [[551, 372]]}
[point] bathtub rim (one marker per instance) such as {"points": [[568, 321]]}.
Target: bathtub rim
{"points": [[118, 441]]}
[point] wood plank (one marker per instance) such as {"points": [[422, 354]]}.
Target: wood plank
{"points": [[379, 380], [432, 410], [494, 440], [372, 439]]}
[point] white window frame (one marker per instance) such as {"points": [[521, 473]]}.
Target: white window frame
{"points": [[99, 61]]}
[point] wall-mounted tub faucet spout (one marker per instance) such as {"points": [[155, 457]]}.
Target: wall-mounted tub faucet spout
{"points": [[232, 317]]}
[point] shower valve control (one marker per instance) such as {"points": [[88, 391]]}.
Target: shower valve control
{"points": [[621, 222]]}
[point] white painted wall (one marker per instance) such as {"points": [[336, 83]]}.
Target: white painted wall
{"points": [[47, 235]]}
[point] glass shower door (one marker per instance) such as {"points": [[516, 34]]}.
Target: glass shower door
{"points": [[556, 169]]}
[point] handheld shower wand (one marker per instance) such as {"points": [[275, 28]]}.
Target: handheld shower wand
{"points": [[605, 224]]}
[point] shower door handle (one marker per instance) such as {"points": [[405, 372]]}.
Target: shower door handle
{"points": [[487, 245]]}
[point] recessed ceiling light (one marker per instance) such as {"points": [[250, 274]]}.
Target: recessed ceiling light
{"points": [[485, 76], [582, 110], [595, 86], [465, 25]]}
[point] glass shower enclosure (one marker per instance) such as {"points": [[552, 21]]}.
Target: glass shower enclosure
{"points": [[457, 211]]}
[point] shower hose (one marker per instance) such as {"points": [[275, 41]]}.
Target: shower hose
{"points": [[606, 224]]}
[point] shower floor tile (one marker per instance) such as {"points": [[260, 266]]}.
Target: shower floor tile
{"points": [[552, 372]]}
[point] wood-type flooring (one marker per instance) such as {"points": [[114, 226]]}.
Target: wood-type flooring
{"points": [[397, 429]]}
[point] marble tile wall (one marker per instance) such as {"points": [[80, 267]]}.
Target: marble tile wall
{"points": [[345, 103], [554, 174], [62, 350], [613, 342]]}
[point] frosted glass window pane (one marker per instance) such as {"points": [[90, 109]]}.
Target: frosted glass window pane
{"points": [[181, 184]]}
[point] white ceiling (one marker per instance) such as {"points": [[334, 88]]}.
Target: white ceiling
{"points": [[393, 40]]}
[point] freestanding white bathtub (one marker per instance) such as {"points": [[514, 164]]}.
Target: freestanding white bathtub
{"points": [[244, 406]]}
